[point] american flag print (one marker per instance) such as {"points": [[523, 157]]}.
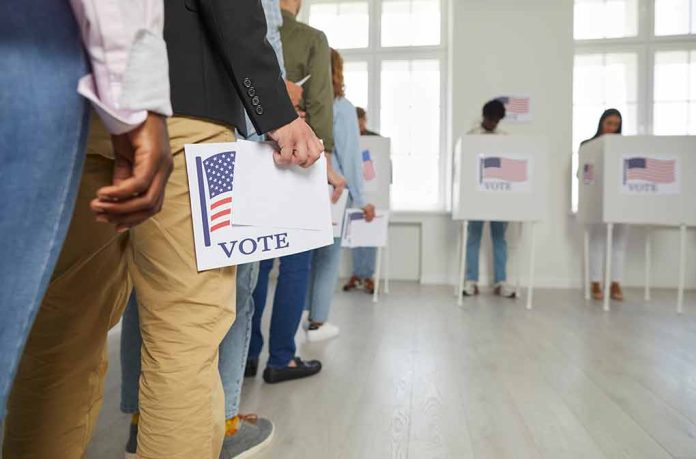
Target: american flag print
{"points": [[650, 170], [215, 184], [516, 105], [510, 170], [369, 172]]}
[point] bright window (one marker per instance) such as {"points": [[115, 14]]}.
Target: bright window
{"points": [[605, 19], [395, 66], [674, 110], [410, 115], [356, 80], [410, 22], [345, 23], [675, 17]]}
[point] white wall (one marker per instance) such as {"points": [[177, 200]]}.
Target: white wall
{"points": [[523, 46]]}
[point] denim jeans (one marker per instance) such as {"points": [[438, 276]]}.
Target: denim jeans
{"points": [[233, 349], [473, 246], [43, 131], [288, 304], [364, 259], [323, 277]]}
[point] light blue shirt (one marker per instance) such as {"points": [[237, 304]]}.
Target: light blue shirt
{"points": [[347, 157], [274, 21]]}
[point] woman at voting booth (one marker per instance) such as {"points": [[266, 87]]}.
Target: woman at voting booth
{"points": [[609, 123], [347, 159], [493, 113]]}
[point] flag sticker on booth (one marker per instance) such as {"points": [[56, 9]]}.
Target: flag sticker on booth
{"points": [[500, 173], [518, 109], [588, 176], [369, 173], [650, 175]]}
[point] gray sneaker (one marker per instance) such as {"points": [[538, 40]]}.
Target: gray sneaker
{"points": [[253, 435]]}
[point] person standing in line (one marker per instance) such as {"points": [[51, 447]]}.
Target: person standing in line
{"points": [[493, 113], [46, 57], [184, 314], [364, 258], [347, 159], [609, 123], [244, 433], [306, 54]]}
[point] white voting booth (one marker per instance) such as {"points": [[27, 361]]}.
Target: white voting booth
{"points": [[377, 172], [638, 180], [500, 178]]}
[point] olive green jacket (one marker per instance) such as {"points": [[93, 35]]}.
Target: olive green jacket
{"points": [[306, 52]]}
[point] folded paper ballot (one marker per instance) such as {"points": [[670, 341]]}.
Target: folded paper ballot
{"points": [[359, 233], [338, 210], [245, 208]]}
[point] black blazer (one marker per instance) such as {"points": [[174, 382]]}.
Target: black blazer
{"points": [[220, 64]]}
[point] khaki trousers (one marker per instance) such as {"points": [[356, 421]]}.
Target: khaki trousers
{"points": [[184, 316]]}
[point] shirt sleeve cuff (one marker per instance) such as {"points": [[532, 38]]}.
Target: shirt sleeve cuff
{"points": [[115, 120]]}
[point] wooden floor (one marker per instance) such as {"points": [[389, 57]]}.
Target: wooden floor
{"points": [[417, 377]]}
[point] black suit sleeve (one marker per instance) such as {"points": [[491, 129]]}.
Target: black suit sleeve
{"points": [[238, 30]]}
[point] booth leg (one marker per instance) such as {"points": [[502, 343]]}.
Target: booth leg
{"points": [[648, 261], [532, 261], [378, 275], [607, 266], [386, 269], [462, 263], [518, 292], [682, 268], [457, 284], [586, 263]]}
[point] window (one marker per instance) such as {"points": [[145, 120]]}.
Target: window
{"points": [[637, 56], [395, 66], [674, 109], [605, 19], [346, 24], [675, 17]]}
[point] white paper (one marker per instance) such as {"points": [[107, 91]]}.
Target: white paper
{"points": [[214, 171], [267, 195], [504, 173], [650, 175], [359, 233], [338, 210]]}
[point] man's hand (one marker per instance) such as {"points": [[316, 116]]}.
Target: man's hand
{"points": [[337, 181], [295, 92], [369, 213], [297, 144], [142, 167]]}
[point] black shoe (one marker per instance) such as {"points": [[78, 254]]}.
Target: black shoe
{"points": [[302, 370], [252, 367]]}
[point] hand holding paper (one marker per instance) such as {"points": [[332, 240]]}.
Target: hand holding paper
{"points": [[297, 144]]}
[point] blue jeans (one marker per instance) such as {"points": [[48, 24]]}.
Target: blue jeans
{"points": [[473, 246], [233, 349], [288, 304], [43, 131], [364, 259], [323, 277]]}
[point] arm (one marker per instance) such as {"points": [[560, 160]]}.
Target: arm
{"points": [[347, 151], [238, 30], [130, 70], [318, 94]]}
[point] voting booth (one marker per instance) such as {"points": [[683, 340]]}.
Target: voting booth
{"points": [[500, 178], [377, 173], [638, 180]]}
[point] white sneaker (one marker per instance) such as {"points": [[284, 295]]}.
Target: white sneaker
{"points": [[470, 288], [326, 331], [505, 290]]}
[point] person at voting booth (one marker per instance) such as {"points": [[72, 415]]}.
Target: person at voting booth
{"points": [[609, 123], [184, 314], [347, 159], [364, 258], [493, 113]]}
